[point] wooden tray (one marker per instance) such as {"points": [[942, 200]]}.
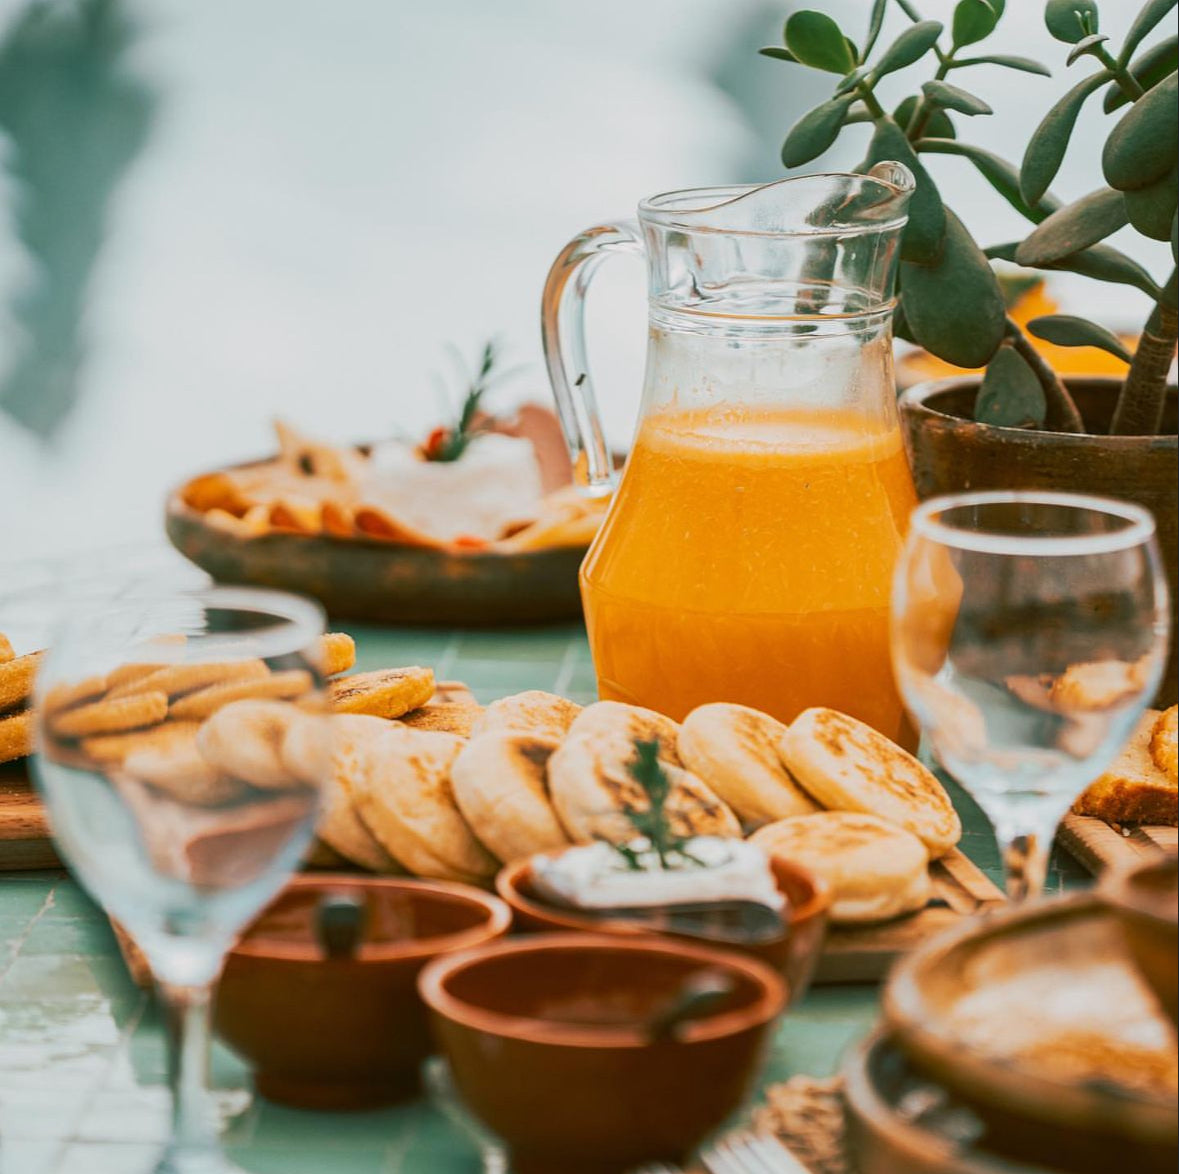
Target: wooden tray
{"points": [[24, 830], [1099, 845]]}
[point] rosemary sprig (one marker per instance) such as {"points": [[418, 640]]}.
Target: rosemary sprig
{"points": [[449, 443]]}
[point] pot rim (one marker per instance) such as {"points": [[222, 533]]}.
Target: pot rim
{"points": [[916, 399], [432, 986], [497, 919]]}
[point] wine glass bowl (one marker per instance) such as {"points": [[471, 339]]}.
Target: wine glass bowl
{"points": [[177, 790], [1029, 633]]}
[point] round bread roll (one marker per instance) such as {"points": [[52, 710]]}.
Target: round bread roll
{"points": [[405, 797], [501, 786], [734, 749], [591, 786], [244, 739], [875, 869], [531, 712], [848, 766]]}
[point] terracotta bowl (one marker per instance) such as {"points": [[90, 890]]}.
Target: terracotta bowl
{"points": [[1146, 899], [794, 954], [547, 1045], [348, 1032], [1036, 1017]]}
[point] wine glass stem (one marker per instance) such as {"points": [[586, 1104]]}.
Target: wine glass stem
{"points": [[193, 1144], [1025, 862]]}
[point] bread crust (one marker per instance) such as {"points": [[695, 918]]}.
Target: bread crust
{"points": [[1134, 789]]}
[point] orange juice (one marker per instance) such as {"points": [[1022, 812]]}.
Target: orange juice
{"points": [[748, 557]]}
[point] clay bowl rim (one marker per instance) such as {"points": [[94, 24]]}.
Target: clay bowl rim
{"points": [[917, 397], [497, 921], [908, 1016], [1118, 890], [508, 880], [770, 1003]]}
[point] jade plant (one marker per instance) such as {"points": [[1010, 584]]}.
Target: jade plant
{"points": [[950, 300]]}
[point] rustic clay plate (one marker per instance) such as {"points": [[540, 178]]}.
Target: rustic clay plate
{"points": [[384, 582], [1036, 1016]]}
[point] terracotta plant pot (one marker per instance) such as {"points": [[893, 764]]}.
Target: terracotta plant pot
{"points": [[950, 453], [347, 1032], [549, 1045], [794, 954]]}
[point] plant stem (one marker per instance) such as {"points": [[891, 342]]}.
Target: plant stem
{"points": [[926, 107], [1125, 79], [869, 100], [1061, 413], [1139, 411]]}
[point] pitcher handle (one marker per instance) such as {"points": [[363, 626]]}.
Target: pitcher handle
{"points": [[562, 319]]}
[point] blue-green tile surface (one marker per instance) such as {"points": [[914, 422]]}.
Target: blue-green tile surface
{"points": [[82, 1055]]}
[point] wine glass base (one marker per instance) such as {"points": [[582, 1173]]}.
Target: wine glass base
{"points": [[202, 1161]]}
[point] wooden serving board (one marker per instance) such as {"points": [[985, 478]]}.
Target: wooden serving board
{"points": [[24, 830], [866, 954], [1099, 845]]}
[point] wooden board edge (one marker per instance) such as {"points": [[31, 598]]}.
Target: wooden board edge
{"points": [[1097, 845]]}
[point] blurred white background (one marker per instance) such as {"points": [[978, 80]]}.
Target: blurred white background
{"points": [[329, 193]]}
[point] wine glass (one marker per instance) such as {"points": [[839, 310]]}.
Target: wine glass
{"points": [[1029, 632], [175, 795]]}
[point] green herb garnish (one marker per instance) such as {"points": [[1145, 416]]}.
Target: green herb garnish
{"points": [[448, 443]]}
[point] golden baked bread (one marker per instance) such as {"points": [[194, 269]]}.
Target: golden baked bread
{"points": [[734, 749], [1164, 743], [447, 718], [531, 712], [875, 869], [16, 680], [591, 786], [179, 770], [6, 650], [337, 652], [501, 786], [245, 738], [202, 703], [110, 715], [1134, 789], [383, 693], [405, 797], [177, 679], [16, 735], [1097, 684], [846, 765]]}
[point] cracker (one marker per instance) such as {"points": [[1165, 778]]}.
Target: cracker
{"points": [[205, 702], [16, 735], [16, 680], [116, 747], [337, 651], [111, 716], [384, 693], [176, 679]]}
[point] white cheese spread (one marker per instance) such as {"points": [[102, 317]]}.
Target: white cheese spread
{"points": [[596, 876]]}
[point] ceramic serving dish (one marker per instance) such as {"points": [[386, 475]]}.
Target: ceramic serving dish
{"points": [[900, 1122], [1146, 899], [549, 1045], [345, 1032], [794, 953], [1036, 1016]]}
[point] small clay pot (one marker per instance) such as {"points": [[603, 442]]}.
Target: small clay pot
{"points": [[950, 453], [793, 954], [548, 1042], [1146, 900], [345, 1032]]}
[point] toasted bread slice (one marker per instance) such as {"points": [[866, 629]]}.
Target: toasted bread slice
{"points": [[734, 749], [846, 765], [592, 788], [875, 869], [531, 712], [1134, 789], [1164, 743], [501, 786]]}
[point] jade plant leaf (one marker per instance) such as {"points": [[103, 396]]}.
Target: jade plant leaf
{"points": [[1068, 230], [955, 307], [1144, 145], [938, 125], [1150, 14], [954, 98], [1049, 141], [1148, 70], [1101, 262], [1067, 330], [816, 40], [815, 131], [778, 52], [1151, 209], [923, 234], [1010, 395], [910, 46], [1023, 64], [974, 20], [1000, 174], [875, 24], [1070, 20], [1085, 45]]}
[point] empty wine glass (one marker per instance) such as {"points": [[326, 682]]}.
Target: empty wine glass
{"points": [[179, 755], [1029, 632]]}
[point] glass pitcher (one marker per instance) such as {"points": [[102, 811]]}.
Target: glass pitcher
{"points": [[748, 553]]}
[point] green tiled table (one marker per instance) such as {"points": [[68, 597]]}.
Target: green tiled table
{"points": [[82, 1060]]}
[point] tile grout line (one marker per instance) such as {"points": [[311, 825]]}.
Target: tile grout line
{"points": [[20, 941], [449, 656], [565, 668]]}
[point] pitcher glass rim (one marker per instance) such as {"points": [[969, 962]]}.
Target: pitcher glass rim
{"points": [[890, 177]]}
